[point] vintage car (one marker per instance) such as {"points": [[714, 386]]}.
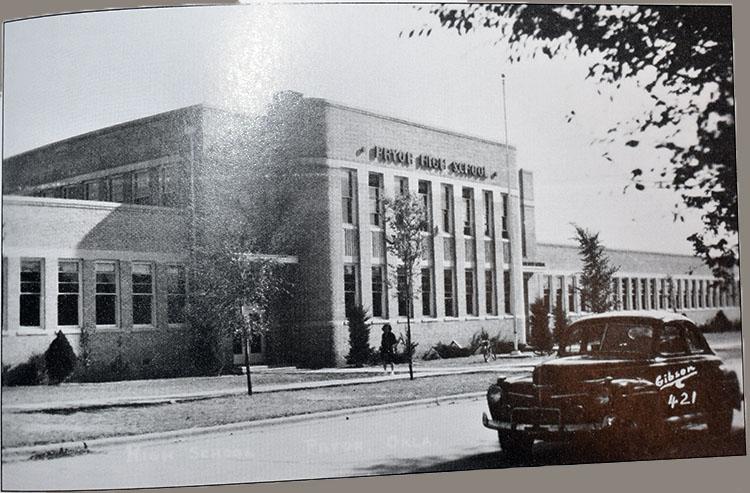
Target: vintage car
{"points": [[637, 375]]}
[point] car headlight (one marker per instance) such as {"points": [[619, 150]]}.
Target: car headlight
{"points": [[494, 395]]}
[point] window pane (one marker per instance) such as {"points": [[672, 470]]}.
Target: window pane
{"points": [[141, 309], [30, 310], [105, 310], [448, 288], [489, 288], [142, 187], [377, 291], [31, 289], [67, 287], [469, 278], [176, 310], [426, 292], [67, 309], [350, 286]]}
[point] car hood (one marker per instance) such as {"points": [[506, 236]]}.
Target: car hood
{"points": [[568, 370]]}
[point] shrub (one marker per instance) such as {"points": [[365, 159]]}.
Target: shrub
{"points": [[60, 359], [720, 323], [561, 323], [401, 356], [541, 338], [359, 336], [98, 371], [32, 372]]}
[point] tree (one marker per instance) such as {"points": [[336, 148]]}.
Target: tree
{"points": [[540, 337], [407, 229], [682, 56], [596, 277], [59, 358], [359, 336], [561, 322], [234, 291]]}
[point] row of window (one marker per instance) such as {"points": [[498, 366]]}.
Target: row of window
{"points": [[650, 294], [376, 193], [107, 293], [159, 185], [379, 291]]}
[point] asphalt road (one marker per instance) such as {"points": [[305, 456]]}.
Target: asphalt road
{"points": [[430, 438]]}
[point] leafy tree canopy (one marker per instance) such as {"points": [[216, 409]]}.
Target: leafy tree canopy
{"points": [[681, 55]]}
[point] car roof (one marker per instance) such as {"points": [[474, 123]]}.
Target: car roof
{"points": [[660, 315]]}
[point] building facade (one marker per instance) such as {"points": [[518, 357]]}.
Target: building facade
{"points": [[98, 229]]}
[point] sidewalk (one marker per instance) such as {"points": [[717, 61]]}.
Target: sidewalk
{"points": [[163, 391]]}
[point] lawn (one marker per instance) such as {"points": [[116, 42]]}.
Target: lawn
{"points": [[35, 428]]}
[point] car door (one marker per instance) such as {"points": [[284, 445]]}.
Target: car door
{"points": [[678, 372]]}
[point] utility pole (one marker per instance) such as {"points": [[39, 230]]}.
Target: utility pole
{"points": [[507, 219]]}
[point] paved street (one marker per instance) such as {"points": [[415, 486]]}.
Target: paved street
{"points": [[441, 437]]}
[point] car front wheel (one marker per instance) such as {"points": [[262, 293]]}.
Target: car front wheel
{"points": [[720, 422], [516, 446]]}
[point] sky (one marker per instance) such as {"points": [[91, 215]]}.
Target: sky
{"points": [[70, 74]]}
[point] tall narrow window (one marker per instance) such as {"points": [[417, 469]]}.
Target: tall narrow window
{"points": [[143, 294], [347, 197], [31, 293], [633, 294], [489, 289], [468, 200], [402, 291], [176, 294], [507, 293], [559, 291], [170, 186], [350, 286], [402, 185], [489, 215], [68, 292], [425, 194], [547, 299], [376, 199], [654, 295], [378, 292], [447, 208], [106, 293], [142, 187], [427, 310], [471, 308], [505, 215], [91, 190], [571, 295], [117, 189], [449, 298]]}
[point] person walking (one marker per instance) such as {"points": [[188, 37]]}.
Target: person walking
{"points": [[387, 347]]}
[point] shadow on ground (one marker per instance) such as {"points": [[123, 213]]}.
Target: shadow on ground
{"points": [[686, 445]]}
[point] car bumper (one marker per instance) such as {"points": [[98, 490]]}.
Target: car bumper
{"points": [[536, 430]]}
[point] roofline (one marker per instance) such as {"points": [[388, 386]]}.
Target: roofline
{"points": [[339, 105], [623, 250], [100, 131], [662, 315]]}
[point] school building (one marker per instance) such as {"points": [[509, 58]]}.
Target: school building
{"points": [[98, 230]]}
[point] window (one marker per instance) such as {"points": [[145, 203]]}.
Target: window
{"points": [[376, 199], [450, 302], [633, 293], [73, 191], [571, 296], [142, 187], [471, 308], [91, 190], [506, 291], [427, 292], [468, 200], [671, 341], [117, 189], [31, 293], [378, 291], [402, 292], [176, 294], [505, 215], [170, 186], [425, 194], [447, 208], [489, 215], [700, 294], [143, 293], [559, 292], [68, 292], [546, 291], [489, 289], [696, 343], [402, 185], [347, 197], [644, 295], [106, 293], [350, 286], [654, 295]]}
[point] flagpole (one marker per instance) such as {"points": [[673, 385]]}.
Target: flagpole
{"points": [[507, 219]]}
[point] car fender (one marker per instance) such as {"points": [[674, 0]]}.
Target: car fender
{"points": [[635, 400], [730, 387]]}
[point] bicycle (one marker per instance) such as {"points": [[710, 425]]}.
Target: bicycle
{"points": [[488, 351]]}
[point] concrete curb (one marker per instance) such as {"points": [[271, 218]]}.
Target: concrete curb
{"points": [[175, 398], [17, 454]]}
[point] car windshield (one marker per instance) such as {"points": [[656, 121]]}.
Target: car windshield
{"points": [[627, 337]]}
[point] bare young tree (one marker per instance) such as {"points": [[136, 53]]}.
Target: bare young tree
{"points": [[408, 229]]}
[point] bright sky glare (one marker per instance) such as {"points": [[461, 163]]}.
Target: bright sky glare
{"points": [[70, 74]]}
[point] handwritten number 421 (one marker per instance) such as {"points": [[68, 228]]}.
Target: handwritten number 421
{"points": [[683, 399]]}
